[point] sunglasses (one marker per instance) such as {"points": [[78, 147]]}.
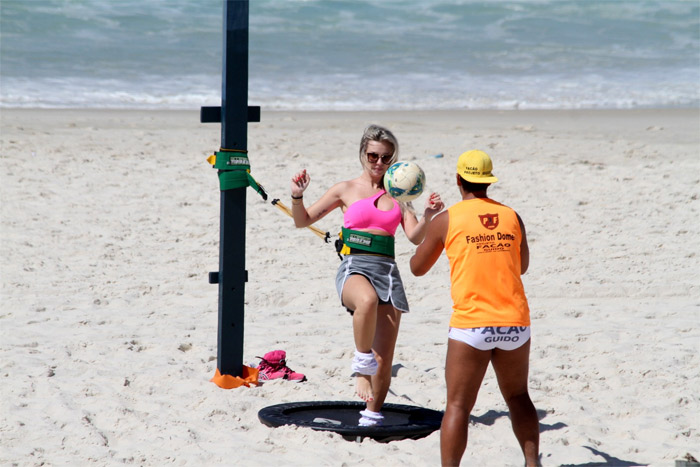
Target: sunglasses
{"points": [[373, 157]]}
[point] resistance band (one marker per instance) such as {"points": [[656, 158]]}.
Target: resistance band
{"points": [[234, 172]]}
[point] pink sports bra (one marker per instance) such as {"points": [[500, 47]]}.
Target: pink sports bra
{"points": [[364, 214]]}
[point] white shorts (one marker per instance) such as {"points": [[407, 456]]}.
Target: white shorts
{"points": [[492, 337]]}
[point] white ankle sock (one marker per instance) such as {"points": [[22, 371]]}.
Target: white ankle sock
{"points": [[370, 418], [364, 363]]}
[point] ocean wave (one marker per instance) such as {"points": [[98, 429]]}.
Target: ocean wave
{"points": [[365, 54]]}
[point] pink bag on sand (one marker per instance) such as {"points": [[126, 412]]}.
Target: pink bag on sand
{"points": [[273, 365]]}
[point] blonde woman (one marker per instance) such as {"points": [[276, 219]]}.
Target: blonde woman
{"points": [[368, 281]]}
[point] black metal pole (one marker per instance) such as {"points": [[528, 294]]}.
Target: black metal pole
{"points": [[234, 135], [234, 115], [232, 275]]}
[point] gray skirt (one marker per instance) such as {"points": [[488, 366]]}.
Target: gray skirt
{"points": [[383, 274]]}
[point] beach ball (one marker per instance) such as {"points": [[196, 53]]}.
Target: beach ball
{"points": [[404, 181]]}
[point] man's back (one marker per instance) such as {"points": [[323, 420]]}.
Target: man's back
{"points": [[483, 247]]}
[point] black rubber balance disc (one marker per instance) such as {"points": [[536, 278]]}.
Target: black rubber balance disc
{"points": [[400, 421]]}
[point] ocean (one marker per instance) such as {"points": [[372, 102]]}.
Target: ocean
{"points": [[354, 54]]}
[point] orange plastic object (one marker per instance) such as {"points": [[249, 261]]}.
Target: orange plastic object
{"points": [[249, 376]]}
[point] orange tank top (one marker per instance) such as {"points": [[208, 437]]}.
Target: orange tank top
{"points": [[483, 248]]}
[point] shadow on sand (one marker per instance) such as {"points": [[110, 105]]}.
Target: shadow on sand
{"points": [[608, 461], [490, 417]]}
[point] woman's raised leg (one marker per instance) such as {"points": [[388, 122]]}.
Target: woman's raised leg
{"points": [[360, 296]]}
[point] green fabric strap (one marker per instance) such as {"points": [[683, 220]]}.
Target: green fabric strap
{"points": [[365, 241], [234, 171]]}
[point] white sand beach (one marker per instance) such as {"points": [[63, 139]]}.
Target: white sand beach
{"points": [[110, 226]]}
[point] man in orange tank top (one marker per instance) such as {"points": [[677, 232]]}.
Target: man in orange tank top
{"points": [[486, 245]]}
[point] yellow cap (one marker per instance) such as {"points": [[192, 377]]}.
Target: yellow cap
{"points": [[475, 166]]}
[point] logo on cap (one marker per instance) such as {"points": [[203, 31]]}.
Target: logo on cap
{"points": [[475, 166]]}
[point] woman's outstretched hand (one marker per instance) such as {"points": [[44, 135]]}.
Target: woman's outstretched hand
{"points": [[300, 182], [433, 205]]}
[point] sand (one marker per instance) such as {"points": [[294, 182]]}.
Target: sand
{"points": [[110, 224]]}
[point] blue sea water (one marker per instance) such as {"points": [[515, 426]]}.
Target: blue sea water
{"points": [[354, 54]]}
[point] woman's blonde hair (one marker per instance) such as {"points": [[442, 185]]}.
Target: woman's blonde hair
{"points": [[378, 133]]}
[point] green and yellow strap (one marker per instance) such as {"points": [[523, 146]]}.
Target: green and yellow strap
{"points": [[365, 241], [234, 170]]}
